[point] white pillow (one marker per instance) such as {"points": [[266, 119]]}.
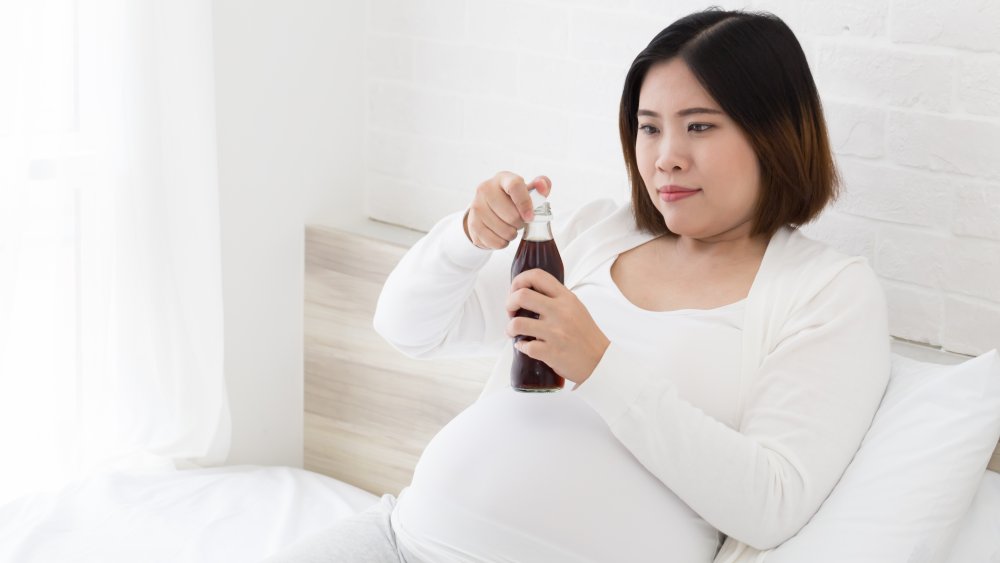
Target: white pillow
{"points": [[905, 492], [978, 537]]}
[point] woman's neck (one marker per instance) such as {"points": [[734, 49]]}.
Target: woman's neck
{"points": [[716, 252]]}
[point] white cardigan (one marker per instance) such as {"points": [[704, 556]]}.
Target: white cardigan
{"points": [[815, 363]]}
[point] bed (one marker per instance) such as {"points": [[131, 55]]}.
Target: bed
{"points": [[369, 411]]}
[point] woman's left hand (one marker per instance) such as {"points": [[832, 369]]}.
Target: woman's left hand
{"points": [[566, 336]]}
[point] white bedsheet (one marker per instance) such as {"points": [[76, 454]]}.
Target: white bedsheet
{"points": [[245, 513], [239, 513]]}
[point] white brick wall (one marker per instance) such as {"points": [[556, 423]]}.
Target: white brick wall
{"points": [[458, 89]]}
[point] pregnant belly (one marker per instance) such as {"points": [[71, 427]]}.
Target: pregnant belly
{"points": [[540, 477]]}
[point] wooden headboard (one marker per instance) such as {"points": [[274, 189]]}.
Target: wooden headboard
{"points": [[370, 410]]}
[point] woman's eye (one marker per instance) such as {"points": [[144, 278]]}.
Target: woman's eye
{"points": [[699, 127], [648, 129]]}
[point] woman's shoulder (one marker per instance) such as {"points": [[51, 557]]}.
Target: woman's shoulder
{"points": [[801, 278], [795, 251], [796, 264]]}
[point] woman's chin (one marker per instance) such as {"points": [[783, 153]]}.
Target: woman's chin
{"points": [[678, 226]]}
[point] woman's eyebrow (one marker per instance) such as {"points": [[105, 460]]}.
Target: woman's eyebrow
{"points": [[681, 113]]}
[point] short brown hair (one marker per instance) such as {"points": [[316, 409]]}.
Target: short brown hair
{"points": [[754, 68]]}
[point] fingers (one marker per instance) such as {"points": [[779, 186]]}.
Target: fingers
{"points": [[527, 299], [518, 196], [531, 348], [500, 208], [499, 226], [525, 326], [538, 280], [517, 189], [493, 220], [543, 184], [483, 236]]}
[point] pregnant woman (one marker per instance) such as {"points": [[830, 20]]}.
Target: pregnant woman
{"points": [[723, 368]]}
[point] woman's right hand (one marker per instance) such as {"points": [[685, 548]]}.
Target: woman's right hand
{"points": [[501, 207]]}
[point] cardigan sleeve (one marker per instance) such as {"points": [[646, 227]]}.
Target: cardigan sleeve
{"points": [[809, 406], [447, 298]]}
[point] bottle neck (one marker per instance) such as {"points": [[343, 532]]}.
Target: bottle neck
{"points": [[539, 230]]}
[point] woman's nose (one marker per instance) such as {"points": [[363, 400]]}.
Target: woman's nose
{"points": [[673, 155]]}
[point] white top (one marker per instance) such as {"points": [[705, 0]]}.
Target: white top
{"points": [[540, 477], [813, 365], [687, 343]]}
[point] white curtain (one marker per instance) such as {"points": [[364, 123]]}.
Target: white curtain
{"points": [[111, 336]]}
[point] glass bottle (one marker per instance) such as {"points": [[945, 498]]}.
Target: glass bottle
{"points": [[537, 250]]}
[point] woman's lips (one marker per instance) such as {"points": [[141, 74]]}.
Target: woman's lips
{"points": [[675, 193]]}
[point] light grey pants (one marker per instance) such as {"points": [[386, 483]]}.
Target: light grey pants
{"points": [[365, 537]]}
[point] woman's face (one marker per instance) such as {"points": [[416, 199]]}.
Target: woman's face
{"points": [[699, 168]]}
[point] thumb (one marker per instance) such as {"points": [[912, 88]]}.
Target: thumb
{"points": [[542, 185]]}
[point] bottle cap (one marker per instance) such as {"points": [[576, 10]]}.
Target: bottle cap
{"points": [[536, 198]]}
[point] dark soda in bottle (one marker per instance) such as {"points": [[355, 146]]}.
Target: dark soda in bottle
{"points": [[537, 250]]}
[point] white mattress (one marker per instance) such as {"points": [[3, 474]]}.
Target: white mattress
{"points": [[246, 513], [239, 513]]}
